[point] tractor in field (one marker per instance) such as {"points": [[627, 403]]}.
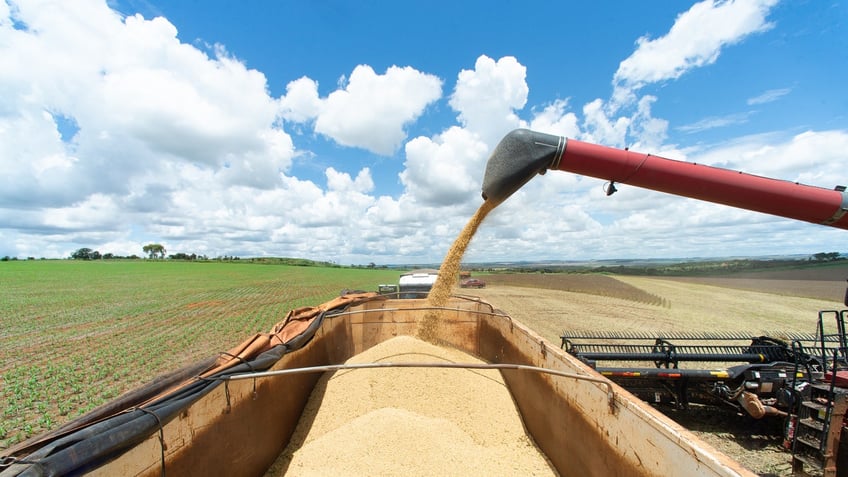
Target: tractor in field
{"points": [[472, 283]]}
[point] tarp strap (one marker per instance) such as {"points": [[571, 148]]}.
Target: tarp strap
{"points": [[252, 369], [161, 436]]}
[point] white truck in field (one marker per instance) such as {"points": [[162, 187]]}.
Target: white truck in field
{"points": [[417, 283]]}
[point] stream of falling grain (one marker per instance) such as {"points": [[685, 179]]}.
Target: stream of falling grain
{"points": [[448, 272]]}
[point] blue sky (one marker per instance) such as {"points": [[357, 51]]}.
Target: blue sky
{"points": [[358, 132]]}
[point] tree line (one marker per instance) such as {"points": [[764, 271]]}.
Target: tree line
{"points": [[153, 251]]}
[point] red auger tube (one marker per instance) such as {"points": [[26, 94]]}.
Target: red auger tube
{"points": [[712, 184]]}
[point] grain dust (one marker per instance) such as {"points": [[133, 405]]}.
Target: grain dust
{"points": [[411, 421]]}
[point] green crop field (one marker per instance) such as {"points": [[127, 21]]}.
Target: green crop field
{"points": [[76, 334]]}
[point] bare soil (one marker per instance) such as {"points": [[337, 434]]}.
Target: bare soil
{"points": [[553, 303], [817, 289]]}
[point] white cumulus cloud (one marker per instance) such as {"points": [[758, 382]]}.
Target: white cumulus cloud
{"points": [[488, 96], [369, 111]]}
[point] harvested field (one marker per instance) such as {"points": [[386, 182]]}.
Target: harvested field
{"points": [[591, 284], [683, 305], [826, 282], [827, 290]]}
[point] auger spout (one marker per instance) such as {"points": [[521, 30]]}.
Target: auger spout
{"points": [[519, 156]]}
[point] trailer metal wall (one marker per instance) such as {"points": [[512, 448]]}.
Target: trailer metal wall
{"points": [[234, 431]]}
